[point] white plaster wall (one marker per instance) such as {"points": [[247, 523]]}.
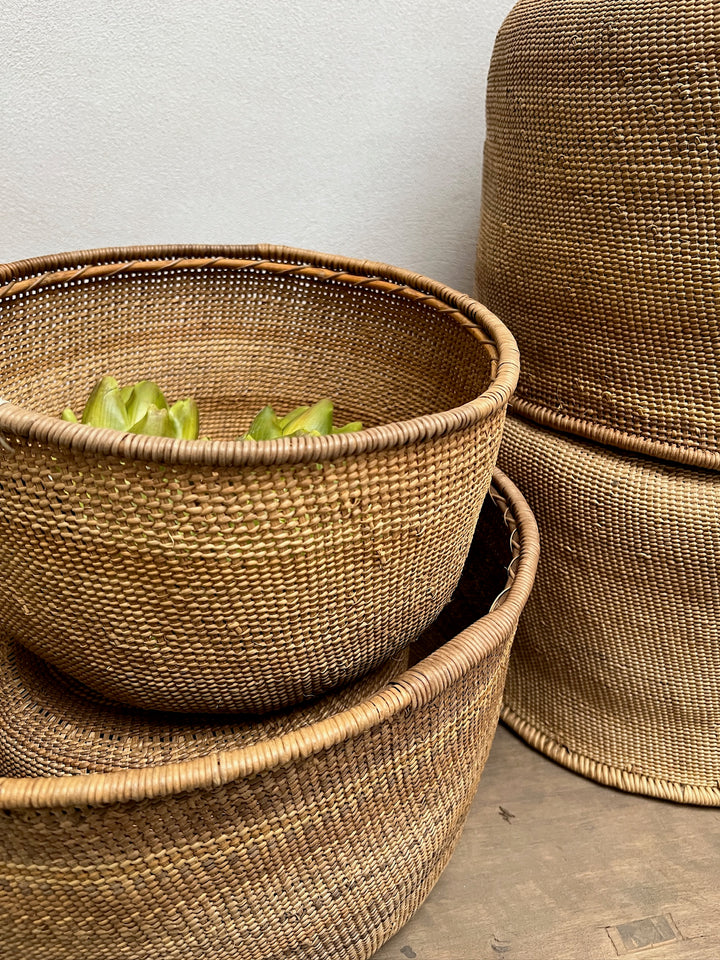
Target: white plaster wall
{"points": [[348, 127]]}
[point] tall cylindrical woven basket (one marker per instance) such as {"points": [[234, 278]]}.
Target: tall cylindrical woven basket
{"points": [[317, 844], [598, 245], [615, 670], [599, 232], [616, 666]]}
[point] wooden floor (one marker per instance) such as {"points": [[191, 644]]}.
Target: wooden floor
{"points": [[554, 867]]}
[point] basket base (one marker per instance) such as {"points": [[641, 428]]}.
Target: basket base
{"points": [[605, 774]]}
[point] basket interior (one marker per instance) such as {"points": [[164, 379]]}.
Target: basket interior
{"points": [[236, 340], [484, 578]]}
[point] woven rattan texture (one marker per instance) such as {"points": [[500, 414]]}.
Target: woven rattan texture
{"points": [[615, 667], [598, 242], [323, 859], [51, 725], [227, 576], [322, 848]]}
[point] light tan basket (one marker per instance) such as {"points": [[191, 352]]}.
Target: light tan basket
{"points": [[318, 844], [616, 663], [51, 725], [224, 576], [599, 236]]}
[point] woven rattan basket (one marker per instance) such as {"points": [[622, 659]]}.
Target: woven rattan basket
{"points": [[225, 576], [599, 229], [51, 725], [616, 663], [317, 844]]}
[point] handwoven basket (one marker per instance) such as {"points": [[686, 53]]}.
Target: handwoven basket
{"points": [[51, 725], [599, 234], [615, 670], [317, 844], [225, 576]]}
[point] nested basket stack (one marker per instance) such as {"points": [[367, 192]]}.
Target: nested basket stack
{"points": [[319, 842], [598, 245], [210, 743], [316, 842]]}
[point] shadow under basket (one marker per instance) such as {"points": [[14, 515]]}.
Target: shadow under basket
{"points": [[224, 576], [320, 843]]}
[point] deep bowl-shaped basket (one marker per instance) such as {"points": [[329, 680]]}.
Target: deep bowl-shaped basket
{"points": [[239, 576], [318, 844], [614, 671]]}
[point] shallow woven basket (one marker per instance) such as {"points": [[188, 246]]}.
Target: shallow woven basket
{"points": [[225, 576], [616, 662], [599, 237], [52, 725], [317, 844]]}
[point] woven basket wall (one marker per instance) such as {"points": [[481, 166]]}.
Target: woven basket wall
{"points": [[224, 576], [599, 238], [51, 725], [616, 665], [317, 844]]}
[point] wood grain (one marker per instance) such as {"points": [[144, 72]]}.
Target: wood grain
{"points": [[549, 861]]}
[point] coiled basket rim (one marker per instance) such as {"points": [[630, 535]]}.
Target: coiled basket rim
{"points": [[38, 272], [678, 451], [414, 689]]}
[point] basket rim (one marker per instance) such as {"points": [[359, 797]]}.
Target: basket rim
{"points": [[416, 687], [38, 272], [676, 451]]}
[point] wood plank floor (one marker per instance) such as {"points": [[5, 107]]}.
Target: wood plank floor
{"points": [[555, 867]]}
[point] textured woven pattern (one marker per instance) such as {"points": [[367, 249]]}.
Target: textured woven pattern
{"points": [[223, 576], [616, 663], [51, 725], [316, 845], [599, 238]]}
